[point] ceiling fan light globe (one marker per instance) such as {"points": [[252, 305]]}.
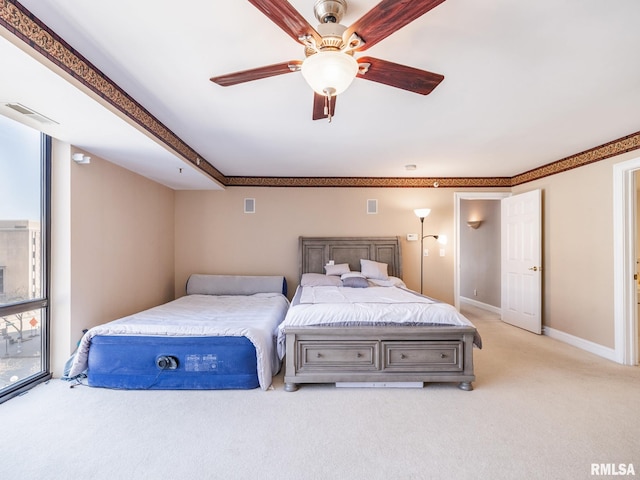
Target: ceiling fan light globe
{"points": [[329, 72]]}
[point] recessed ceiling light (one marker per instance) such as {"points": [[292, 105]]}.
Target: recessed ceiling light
{"points": [[410, 167]]}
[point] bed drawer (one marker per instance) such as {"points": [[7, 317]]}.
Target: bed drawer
{"points": [[423, 356], [352, 356]]}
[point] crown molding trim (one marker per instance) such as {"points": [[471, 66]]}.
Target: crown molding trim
{"points": [[36, 35]]}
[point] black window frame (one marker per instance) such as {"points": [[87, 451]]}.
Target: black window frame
{"points": [[42, 303]]}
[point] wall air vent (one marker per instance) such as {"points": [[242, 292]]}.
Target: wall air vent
{"points": [[18, 107], [372, 206], [249, 205]]}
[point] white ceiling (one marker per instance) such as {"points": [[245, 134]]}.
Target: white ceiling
{"points": [[86, 124], [526, 83]]}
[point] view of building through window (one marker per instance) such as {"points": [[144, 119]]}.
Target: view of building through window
{"points": [[22, 272]]}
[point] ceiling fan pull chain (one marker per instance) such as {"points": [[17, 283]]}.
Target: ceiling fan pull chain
{"points": [[327, 107]]}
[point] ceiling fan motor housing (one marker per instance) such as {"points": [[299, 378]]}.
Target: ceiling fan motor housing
{"points": [[330, 11], [332, 39], [331, 36]]}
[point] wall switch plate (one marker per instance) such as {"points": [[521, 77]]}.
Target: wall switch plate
{"points": [[426, 252], [331, 262], [442, 252], [412, 237]]}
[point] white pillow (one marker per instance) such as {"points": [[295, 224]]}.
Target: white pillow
{"points": [[352, 275], [392, 282], [319, 280], [375, 270], [337, 269]]}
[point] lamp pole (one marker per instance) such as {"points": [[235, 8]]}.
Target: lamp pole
{"points": [[422, 237], [421, 253], [421, 213]]}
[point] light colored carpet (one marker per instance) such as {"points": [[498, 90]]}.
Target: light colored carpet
{"points": [[540, 409]]}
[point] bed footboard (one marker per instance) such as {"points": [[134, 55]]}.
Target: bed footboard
{"points": [[379, 354]]}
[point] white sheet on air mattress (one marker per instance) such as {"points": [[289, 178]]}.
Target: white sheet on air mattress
{"points": [[253, 316]]}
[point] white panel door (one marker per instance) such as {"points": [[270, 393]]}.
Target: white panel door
{"points": [[522, 261]]}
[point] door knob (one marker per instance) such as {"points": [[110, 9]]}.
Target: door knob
{"points": [[535, 269]]}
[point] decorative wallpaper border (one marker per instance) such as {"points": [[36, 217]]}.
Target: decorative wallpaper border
{"points": [[608, 150], [25, 26], [388, 182]]}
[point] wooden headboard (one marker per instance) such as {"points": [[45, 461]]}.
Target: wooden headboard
{"points": [[315, 252]]}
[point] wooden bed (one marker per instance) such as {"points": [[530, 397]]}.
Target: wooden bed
{"points": [[372, 354]]}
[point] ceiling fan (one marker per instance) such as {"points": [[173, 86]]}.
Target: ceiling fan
{"points": [[329, 66]]}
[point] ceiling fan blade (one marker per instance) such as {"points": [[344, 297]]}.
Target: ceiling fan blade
{"points": [[400, 76], [283, 14], [257, 73], [319, 104], [387, 17]]}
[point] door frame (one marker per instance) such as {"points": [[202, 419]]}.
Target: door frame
{"points": [[624, 262], [457, 222]]}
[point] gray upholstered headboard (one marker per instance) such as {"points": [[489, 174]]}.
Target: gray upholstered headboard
{"points": [[235, 284], [315, 252]]}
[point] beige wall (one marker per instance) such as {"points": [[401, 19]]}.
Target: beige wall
{"points": [[578, 250], [120, 231], [213, 235], [125, 257], [480, 253]]}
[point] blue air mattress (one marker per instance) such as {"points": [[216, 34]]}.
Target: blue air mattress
{"points": [[176, 363], [221, 335]]}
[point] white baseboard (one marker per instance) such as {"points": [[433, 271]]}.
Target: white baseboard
{"points": [[581, 343], [605, 352], [484, 306]]}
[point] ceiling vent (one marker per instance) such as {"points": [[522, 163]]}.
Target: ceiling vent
{"points": [[18, 107]]}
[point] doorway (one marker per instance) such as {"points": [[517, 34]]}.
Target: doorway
{"points": [[459, 224], [625, 253], [636, 230]]}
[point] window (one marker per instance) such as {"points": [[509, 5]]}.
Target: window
{"points": [[25, 159]]}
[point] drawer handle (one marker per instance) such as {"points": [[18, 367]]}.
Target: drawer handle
{"points": [[402, 355], [318, 355], [358, 355], [442, 355]]}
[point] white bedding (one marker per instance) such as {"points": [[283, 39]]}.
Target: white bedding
{"points": [[343, 306], [253, 316]]}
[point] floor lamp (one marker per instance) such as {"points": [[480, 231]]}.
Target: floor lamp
{"points": [[422, 213]]}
